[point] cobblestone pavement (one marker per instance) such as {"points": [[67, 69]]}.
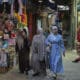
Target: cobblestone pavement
{"points": [[72, 71]]}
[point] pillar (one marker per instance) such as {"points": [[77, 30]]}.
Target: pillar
{"points": [[44, 16], [73, 23]]}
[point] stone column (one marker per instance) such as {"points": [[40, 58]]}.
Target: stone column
{"points": [[53, 17], [44, 16]]}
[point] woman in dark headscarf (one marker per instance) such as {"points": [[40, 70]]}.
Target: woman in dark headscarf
{"points": [[23, 49]]}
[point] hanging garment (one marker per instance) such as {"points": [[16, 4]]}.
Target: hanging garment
{"points": [[4, 0]]}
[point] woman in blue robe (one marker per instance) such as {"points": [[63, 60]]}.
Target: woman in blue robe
{"points": [[55, 42]]}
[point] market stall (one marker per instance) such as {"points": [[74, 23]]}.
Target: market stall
{"points": [[7, 46], [9, 23]]}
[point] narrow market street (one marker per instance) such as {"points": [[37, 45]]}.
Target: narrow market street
{"points": [[37, 24], [71, 71]]}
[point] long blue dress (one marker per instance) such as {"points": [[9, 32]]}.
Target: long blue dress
{"points": [[57, 49]]}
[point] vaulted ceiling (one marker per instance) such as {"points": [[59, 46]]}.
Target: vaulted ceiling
{"points": [[60, 2], [48, 3]]}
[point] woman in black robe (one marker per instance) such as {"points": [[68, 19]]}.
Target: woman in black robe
{"points": [[23, 49]]}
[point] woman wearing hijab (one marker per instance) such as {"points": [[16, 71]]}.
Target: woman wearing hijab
{"points": [[23, 49], [38, 53], [55, 42]]}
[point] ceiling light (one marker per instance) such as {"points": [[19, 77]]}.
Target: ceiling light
{"points": [[51, 1], [40, 1]]}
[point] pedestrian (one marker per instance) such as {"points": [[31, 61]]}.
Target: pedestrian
{"points": [[55, 42], [23, 49], [38, 54], [78, 45]]}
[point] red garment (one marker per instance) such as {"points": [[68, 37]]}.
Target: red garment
{"points": [[13, 35], [78, 35]]}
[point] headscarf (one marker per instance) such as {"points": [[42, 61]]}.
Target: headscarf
{"points": [[20, 40], [40, 31], [54, 27], [27, 31]]}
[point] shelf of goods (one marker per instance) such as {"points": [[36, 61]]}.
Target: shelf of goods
{"points": [[10, 50]]}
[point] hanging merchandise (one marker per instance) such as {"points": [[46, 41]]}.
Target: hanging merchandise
{"points": [[6, 6], [21, 15], [4, 0], [9, 25], [6, 36], [14, 20], [24, 2], [12, 7], [3, 58], [1, 34], [24, 17], [30, 24], [11, 41], [20, 6], [5, 44], [13, 35]]}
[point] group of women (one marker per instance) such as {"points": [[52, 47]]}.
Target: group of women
{"points": [[52, 45]]}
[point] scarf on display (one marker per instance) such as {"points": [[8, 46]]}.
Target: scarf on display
{"points": [[20, 6], [12, 7]]}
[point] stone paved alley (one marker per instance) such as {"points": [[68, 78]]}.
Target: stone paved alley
{"points": [[72, 71]]}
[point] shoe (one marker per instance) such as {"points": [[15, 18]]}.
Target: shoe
{"points": [[75, 61], [26, 72], [21, 72], [54, 77], [36, 74], [27, 69]]}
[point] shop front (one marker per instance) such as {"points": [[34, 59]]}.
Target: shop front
{"points": [[75, 20], [13, 16], [78, 11]]}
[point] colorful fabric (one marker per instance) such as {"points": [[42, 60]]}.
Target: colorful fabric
{"points": [[18, 17], [24, 19], [3, 59], [12, 7], [21, 15]]}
